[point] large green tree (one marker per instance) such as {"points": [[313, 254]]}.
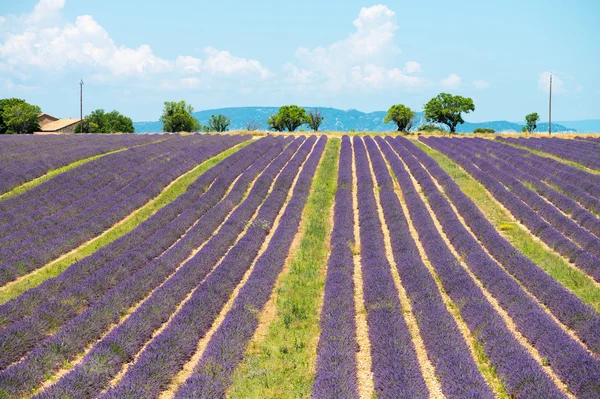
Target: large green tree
{"points": [[218, 123], [177, 117], [102, 122], [402, 116], [289, 117], [18, 117], [531, 121], [447, 109]]}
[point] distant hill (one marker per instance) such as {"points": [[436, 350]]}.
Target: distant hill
{"points": [[340, 120]]}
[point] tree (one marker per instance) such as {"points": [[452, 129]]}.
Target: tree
{"points": [[402, 116], [531, 121], [315, 119], [218, 123], [18, 117], [447, 109], [177, 117], [99, 121], [288, 117], [252, 125]]}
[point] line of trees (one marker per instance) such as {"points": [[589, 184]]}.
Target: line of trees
{"points": [[18, 116]]}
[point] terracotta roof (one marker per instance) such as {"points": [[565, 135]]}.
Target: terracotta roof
{"points": [[59, 124]]}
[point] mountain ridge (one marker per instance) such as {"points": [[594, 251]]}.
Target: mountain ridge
{"points": [[354, 120]]}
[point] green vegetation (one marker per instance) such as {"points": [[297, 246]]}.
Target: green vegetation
{"points": [[447, 109], [18, 117], [101, 122], [170, 194], [402, 116], [177, 117], [218, 123], [289, 117], [282, 365], [430, 127], [315, 119], [573, 279], [531, 121], [484, 130]]}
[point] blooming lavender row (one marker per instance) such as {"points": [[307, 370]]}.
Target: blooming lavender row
{"points": [[95, 303], [583, 187], [107, 357], [63, 196], [565, 149], [27, 250], [523, 377], [396, 371], [45, 240], [582, 259], [164, 356], [509, 178], [227, 347], [37, 155], [572, 363], [336, 368], [565, 305], [445, 345], [501, 157], [152, 236]]}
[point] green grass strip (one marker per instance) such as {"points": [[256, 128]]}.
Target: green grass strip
{"points": [[556, 158], [42, 179], [573, 279], [131, 222], [282, 365]]}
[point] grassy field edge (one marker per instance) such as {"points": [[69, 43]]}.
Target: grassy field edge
{"points": [[281, 365], [573, 279], [125, 226]]}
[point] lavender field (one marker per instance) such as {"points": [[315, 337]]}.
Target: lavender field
{"points": [[287, 266]]}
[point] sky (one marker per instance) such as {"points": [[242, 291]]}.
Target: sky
{"points": [[133, 55]]}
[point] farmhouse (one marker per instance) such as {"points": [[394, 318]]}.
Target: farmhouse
{"points": [[51, 124]]}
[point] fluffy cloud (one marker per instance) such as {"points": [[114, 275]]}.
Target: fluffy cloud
{"points": [[44, 41], [412, 67], [451, 82], [361, 60], [481, 84], [558, 86]]}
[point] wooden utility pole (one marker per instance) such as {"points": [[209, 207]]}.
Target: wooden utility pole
{"points": [[550, 108], [81, 106]]}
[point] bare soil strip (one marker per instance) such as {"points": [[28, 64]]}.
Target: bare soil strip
{"points": [[427, 369], [475, 349], [366, 385], [507, 319], [188, 368]]}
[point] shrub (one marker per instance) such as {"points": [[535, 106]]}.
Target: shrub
{"points": [[484, 130]]}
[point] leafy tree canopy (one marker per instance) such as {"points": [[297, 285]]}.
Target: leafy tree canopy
{"points": [[531, 121], [102, 122], [289, 117], [218, 123], [315, 119], [177, 117], [447, 109], [402, 116], [18, 117]]}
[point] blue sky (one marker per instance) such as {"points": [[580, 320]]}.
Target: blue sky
{"points": [[133, 55]]}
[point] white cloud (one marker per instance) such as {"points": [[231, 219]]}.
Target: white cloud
{"points": [[412, 67], [558, 85], [481, 84], [363, 60], [42, 40], [451, 82]]}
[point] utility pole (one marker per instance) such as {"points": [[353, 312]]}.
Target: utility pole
{"points": [[81, 106], [550, 108]]}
